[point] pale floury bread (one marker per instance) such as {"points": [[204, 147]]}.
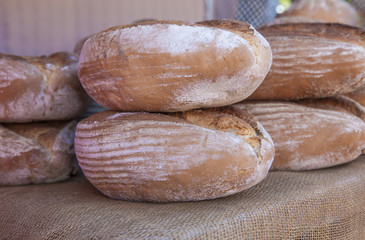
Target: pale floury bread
{"points": [[336, 11], [189, 156], [311, 134], [40, 88], [173, 66], [33, 153], [312, 60]]}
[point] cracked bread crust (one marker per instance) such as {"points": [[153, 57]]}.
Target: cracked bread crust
{"points": [[34, 153], [40, 88]]}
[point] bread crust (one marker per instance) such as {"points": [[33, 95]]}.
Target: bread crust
{"points": [[170, 66], [336, 11], [310, 135], [40, 88], [33, 153], [312, 60], [190, 156]]}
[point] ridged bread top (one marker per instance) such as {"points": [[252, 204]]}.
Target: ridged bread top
{"points": [[188, 156], [310, 135], [170, 66], [312, 60]]}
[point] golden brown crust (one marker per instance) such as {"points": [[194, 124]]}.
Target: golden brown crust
{"points": [[171, 66], [34, 153], [310, 134], [337, 11], [236, 26], [333, 31], [40, 88], [312, 60], [189, 156], [338, 103]]}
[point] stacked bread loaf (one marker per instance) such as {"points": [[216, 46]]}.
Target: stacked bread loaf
{"points": [[40, 97], [333, 11], [169, 135], [313, 60]]}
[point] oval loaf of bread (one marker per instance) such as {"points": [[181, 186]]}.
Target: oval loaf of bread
{"points": [[32, 153], [171, 66], [40, 88], [195, 155], [309, 136], [334, 11], [312, 60]]}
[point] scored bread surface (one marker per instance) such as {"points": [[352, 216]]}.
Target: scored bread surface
{"points": [[161, 158], [309, 137], [312, 60]]}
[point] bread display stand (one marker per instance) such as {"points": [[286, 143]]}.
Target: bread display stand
{"points": [[321, 204]]}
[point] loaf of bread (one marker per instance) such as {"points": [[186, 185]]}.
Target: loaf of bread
{"points": [[40, 88], [312, 60], [171, 66], [32, 153], [310, 135], [341, 103], [335, 11], [189, 156]]}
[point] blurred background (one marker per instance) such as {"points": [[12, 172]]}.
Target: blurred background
{"points": [[42, 27]]}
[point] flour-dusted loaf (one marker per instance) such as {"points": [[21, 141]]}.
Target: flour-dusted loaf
{"points": [[309, 136], [335, 11], [189, 156], [40, 88], [292, 19], [32, 153], [312, 60], [173, 66]]}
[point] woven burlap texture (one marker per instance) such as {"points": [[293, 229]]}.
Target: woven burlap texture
{"points": [[322, 204]]}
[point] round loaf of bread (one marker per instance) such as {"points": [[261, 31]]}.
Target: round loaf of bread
{"points": [[190, 156], [310, 135], [312, 60], [40, 88], [32, 153], [335, 11], [173, 66]]}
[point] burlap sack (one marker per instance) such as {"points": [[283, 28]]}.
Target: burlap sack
{"points": [[322, 204]]}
